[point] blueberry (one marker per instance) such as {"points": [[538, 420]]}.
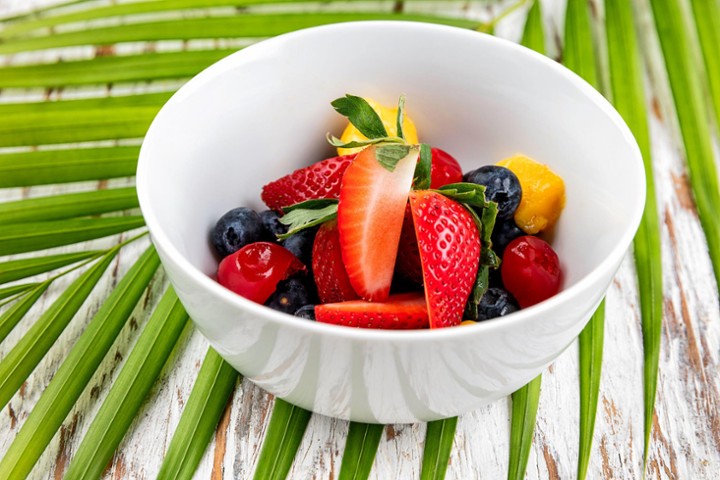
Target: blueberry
{"points": [[307, 312], [496, 303], [505, 231], [502, 186], [271, 224], [301, 245], [237, 228], [289, 296]]}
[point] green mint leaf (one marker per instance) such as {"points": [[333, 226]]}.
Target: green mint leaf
{"points": [[423, 168], [300, 218], [389, 155], [336, 142], [485, 222], [359, 112], [315, 204], [464, 192], [400, 116]]}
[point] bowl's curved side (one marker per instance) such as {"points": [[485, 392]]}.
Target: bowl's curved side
{"points": [[383, 382], [194, 166]]}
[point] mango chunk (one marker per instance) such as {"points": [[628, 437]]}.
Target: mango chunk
{"points": [[543, 194], [388, 115]]}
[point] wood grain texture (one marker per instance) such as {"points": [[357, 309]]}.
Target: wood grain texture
{"points": [[686, 437]]}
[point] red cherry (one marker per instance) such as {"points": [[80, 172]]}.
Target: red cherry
{"points": [[530, 270], [444, 170], [255, 270]]}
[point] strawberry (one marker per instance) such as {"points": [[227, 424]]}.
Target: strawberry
{"points": [[449, 246], [400, 312], [408, 264], [331, 278], [370, 217], [320, 180]]}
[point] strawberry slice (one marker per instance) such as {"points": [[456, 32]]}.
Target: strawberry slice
{"points": [[408, 264], [332, 280], [320, 180], [449, 246], [370, 217], [400, 312]]}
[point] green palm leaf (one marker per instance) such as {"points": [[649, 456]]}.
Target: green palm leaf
{"points": [[44, 167], [68, 205], [126, 396], [707, 21], [438, 446], [15, 290], [579, 56], [524, 412], [282, 440], [24, 357], [526, 400], [628, 95], [29, 237], [212, 391], [114, 69], [360, 449], [692, 113], [245, 26], [73, 375], [12, 316], [27, 267]]}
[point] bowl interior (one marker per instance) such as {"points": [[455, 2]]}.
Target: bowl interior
{"points": [[264, 111]]}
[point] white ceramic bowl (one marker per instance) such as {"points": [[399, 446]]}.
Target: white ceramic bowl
{"points": [[264, 111]]}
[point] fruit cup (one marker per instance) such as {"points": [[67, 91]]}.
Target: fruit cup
{"points": [[261, 112]]}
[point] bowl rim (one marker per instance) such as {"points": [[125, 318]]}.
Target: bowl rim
{"points": [[203, 281]]}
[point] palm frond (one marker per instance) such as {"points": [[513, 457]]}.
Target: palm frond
{"points": [[244, 26], [439, 439], [282, 440], [42, 167], [361, 446], [75, 372], [27, 353], [12, 316], [27, 267], [68, 205], [628, 96], [128, 392], [33, 236], [525, 403], [209, 397], [693, 115]]}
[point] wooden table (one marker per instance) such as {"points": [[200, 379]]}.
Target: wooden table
{"points": [[686, 436]]}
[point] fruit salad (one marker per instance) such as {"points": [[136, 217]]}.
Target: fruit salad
{"points": [[392, 234]]}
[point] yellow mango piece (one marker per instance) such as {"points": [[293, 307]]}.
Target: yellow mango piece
{"points": [[388, 115], [543, 194], [468, 322]]}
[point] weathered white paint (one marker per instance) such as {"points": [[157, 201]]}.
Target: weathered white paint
{"points": [[686, 439]]}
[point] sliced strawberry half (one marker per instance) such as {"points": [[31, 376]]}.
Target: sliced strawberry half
{"points": [[408, 264], [370, 217], [331, 278], [400, 312], [449, 246], [320, 180]]}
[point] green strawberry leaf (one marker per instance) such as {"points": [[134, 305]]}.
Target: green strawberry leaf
{"points": [[389, 155], [400, 116], [359, 112], [336, 142], [308, 214], [315, 204], [470, 194], [485, 223], [423, 170]]}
